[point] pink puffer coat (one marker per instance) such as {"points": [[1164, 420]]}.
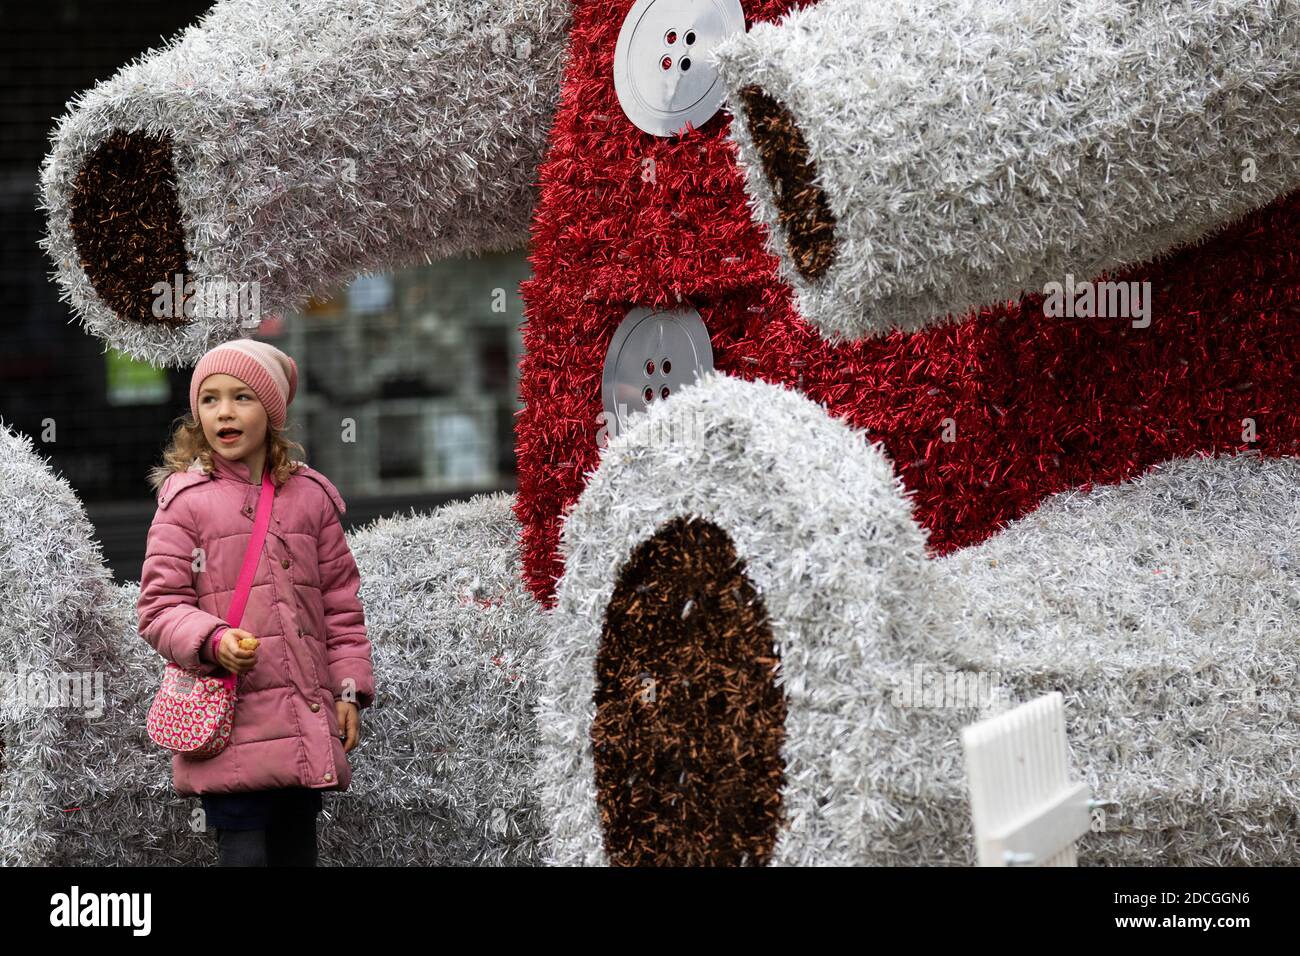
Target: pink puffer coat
{"points": [[303, 606]]}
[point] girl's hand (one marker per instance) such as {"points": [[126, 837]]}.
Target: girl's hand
{"points": [[349, 722], [233, 657]]}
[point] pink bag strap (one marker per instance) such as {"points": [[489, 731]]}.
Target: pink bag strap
{"points": [[254, 553], [251, 557]]}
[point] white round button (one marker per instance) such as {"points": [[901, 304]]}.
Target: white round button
{"points": [[654, 353], [661, 73]]}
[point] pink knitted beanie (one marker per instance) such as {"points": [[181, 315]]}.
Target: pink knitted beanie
{"points": [[270, 373]]}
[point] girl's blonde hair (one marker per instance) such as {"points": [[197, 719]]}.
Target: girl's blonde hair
{"points": [[188, 442]]}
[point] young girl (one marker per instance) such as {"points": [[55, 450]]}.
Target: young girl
{"points": [[301, 688]]}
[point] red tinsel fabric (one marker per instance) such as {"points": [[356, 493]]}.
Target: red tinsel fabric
{"points": [[1039, 405]]}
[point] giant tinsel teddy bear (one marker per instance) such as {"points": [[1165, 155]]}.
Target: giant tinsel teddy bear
{"points": [[863, 338]]}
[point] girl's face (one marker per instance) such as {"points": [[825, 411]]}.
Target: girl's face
{"points": [[233, 419]]}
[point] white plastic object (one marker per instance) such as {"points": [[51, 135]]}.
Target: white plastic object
{"points": [[653, 353], [1025, 809], [662, 73]]}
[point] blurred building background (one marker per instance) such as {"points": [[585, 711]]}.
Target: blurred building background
{"points": [[409, 381]]}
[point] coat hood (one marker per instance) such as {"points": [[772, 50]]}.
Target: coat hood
{"points": [[223, 469]]}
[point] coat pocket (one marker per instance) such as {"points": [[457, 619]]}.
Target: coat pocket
{"points": [[316, 651]]}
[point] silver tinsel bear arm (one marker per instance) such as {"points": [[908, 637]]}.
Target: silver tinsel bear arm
{"points": [[278, 148], [914, 158]]}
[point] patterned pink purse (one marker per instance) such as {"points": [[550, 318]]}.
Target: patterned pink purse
{"points": [[191, 714]]}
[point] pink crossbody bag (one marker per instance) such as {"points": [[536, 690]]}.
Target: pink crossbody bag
{"points": [[192, 714]]}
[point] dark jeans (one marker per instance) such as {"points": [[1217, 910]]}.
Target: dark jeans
{"points": [[288, 840]]}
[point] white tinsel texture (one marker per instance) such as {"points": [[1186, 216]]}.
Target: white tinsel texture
{"points": [[313, 142], [1164, 609], [971, 150]]}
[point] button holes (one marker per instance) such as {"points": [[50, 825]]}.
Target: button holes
{"points": [[686, 63], [648, 394], [663, 392], [670, 37], [690, 37], [650, 367], [666, 63], [667, 366]]}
